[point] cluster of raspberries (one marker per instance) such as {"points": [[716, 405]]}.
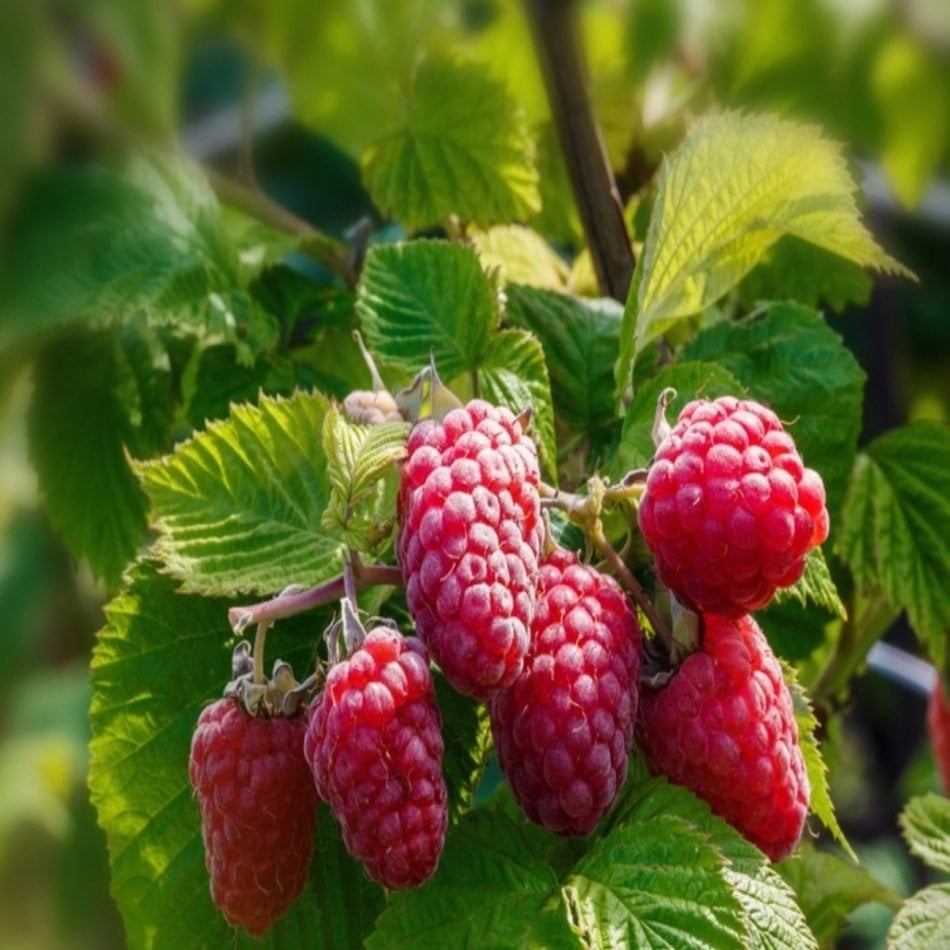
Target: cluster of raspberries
{"points": [[550, 644]]}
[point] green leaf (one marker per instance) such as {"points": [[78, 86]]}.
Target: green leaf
{"points": [[815, 586], [160, 658], [79, 430], [361, 459], [239, 506], [520, 256], [579, 338], [828, 889], [896, 525], [820, 804], [734, 187], [793, 269], [427, 296], [925, 821], [513, 374], [460, 149], [923, 922], [655, 883], [691, 380], [789, 358]]}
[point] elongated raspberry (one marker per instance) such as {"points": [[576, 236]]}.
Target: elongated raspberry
{"points": [[729, 511], [563, 729], [938, 724], [469, 540], [724, 727], [258, 807], [376, 752]]}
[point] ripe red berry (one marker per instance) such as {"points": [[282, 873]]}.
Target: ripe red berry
{"points": [[724, 727], [375, 746], [729, 511], [469, 540], [258, 807], [938, 724], [563, 729]]}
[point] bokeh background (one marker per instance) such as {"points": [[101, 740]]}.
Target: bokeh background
{"points": [[291, 92]]}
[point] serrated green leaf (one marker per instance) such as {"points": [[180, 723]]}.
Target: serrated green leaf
{"points": [[772, 917], [896, 525], [520, 256], [427, 296], [239, 506], [160, 658], [513, 373], [829, 888], [361, 508], [925, 821], [791, 360], [734, 187], [820, 804], [460, 149], [815, 586], [923, 922], [78, 431], [691, 380], [579, 338], [793, 269]]}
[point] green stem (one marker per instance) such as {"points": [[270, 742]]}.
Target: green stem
{"points": [[259, 639]]}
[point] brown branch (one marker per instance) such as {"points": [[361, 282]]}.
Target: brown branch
{"points": [[556, 30]]}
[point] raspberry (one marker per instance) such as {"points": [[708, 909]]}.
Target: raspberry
{"points": [[729, 511], [938, 724], [376, 751], [563, 728], [469, 540], [724, 727], [258, 807]]}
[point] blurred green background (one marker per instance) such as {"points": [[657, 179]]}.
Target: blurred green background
{"points": [[293, 92]]}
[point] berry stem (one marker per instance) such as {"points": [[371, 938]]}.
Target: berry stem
{"points": [[289, 605], [259, 638], [628, 579]]}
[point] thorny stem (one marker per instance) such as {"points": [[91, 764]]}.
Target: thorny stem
{"points": [[279, 608]]}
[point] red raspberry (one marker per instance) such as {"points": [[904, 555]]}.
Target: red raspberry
{"points": [[258, 807], [938, 724], [724, 727], [729, 510], [563, 728], [376, 751], [469, 540]]}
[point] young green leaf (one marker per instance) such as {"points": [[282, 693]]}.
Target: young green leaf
{"points": [[923, 922], [580, 339], [160, 658], [79, 430], [240, 506], [789, 358], [734, 187], [896, 525], [926, 824], [520, 256], [828, 889], [815, 586], [461, 149], [820, 803]]}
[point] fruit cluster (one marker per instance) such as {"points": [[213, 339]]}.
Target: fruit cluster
{"points": [[550, 644]]}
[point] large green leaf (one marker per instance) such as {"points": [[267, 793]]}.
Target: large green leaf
{"points": [[79, 430], [896, 525], [580, 339], [160, 658], [926, 825], [788, 357], [240, 506], [828, 889], [460, 149], [734, 187], [923, 922]]}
